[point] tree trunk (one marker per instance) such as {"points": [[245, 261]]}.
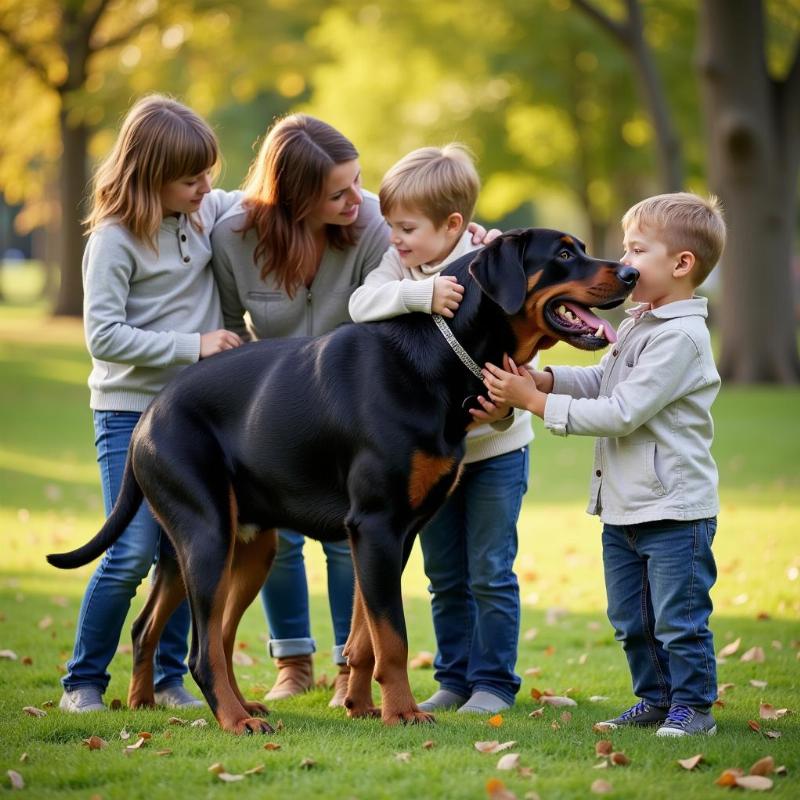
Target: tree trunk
{"points": [[73, 195], [753, 164]]}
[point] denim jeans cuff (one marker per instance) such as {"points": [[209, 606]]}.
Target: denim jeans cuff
{"points": [[337, 653], [282, 648]]}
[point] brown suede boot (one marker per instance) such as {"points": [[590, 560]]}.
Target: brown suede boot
{"points": [[340, 687], [295, 676]]}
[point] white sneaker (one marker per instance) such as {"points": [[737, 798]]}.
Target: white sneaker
{"points": [[82, 699], [177, 697]]}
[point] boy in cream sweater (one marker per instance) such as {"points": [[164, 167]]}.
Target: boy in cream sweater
{"points": [[469, 547]]}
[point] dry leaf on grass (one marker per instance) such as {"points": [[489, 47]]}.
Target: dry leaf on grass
{"points": [[177, 721], [757, 783], [597, 698], [32, 711], [566, 716], [272, 746], [9, 655], [602, 727], [729, 649], [23, 758], [496, 721], [95, 743], [534, 672], [690, 763], [164, 752], [216, 768], [403, 758], [754, 654], [137, 745], [768, 711], [228, 778], [723, 687], [759, 684], [619, 759], [772, 734], [603, 748], [198, 723], [124, 735], [255, 770], [556, 700], [729, 776], [44, 623], [27, 661], [429, 745], [422, 660], [307, 763], [508, 761], [241, 659], [753, 725], [601, 787], [493, 747], [537, 712], [16, 779], [530, 634], [496, 790], [764, 766]]}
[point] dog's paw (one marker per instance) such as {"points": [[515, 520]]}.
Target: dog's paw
{"points": [[141, 701], [256, 709], [251, 725], [362, 712], [414, 717]]}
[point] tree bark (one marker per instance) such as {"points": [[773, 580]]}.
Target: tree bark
{"points": [[73, 193], [753, 138]]}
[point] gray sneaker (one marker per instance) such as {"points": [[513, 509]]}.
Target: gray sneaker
{"points": [[640, 715], [82, 699], [177, 697], [687, 721], [442, 700]]}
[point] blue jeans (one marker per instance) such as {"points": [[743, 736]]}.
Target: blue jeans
{"points": [[658, 578], [285, 597], [468, 549], [107, 599]]}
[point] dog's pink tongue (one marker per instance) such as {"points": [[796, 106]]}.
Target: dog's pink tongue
{"points": [[593, 321]]}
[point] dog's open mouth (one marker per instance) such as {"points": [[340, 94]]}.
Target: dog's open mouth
{"points": [[578, 325]]}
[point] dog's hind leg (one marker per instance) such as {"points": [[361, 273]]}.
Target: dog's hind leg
{"points": [[249, 569], [361, 660], [166, 594]]}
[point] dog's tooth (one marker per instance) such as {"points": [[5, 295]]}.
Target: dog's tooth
{"points": [[562, 309], [601, 333]]}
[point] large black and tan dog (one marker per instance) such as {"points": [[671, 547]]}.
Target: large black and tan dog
{"points": [[359, 434]]}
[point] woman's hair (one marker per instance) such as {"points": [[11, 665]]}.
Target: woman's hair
{"points": [[160, 141], [436, 181], [285, 183]]}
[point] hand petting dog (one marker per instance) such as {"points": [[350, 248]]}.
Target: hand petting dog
{"points": [[517, 386]]}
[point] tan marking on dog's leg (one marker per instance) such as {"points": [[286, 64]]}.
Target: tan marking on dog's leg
{"points": [[361, 659], [166, 594], [391, 672], [426, 472], [249, 568]]}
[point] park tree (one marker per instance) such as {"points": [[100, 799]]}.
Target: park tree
{"points": [[751, 105], [71, 68]]}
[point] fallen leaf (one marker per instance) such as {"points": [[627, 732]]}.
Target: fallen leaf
{"points": [[768, 711], [307, 763], [772, 734], [496, 790], [27, 661], [754, 654], [597, 698], [496, 721], [403, 758], [198, 723], [566, 716], [723, 687], [44, 623], [758, 783], [23, 758], [764, 766], [429, 745], [95, 743], [781, 770], [216, 768], [177, 721], [759, 684], [556, 700], [422, 660], [163, 752], [530, 634], [493, 746], [32, 711], [619, 759], [602, 727], [583, 658], [729, 649], [228, 778], [144, 735], [48, 704], [729, 776], [526, 772], [753, 725], [9, 655], [508, 761], [279, 726], [535, 693], [601, 787], [16, 779], [241, 659], [537, 712], [603, 748], [272, 746], [137, 745], [777, 645], [550, 650], [690, 763], [534, 672], [555, 726], [255, 770], [602, 765]]}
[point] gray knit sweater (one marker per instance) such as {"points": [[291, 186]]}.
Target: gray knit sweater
{"points": [[144, 310]]}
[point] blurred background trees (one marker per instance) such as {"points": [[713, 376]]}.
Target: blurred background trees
{"points": [[575, 110]]}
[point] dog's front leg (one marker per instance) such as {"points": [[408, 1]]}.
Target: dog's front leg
{"points": [[379, 558], [361, 660]]}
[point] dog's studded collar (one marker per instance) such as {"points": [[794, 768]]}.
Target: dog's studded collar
{"points": [[457, 348]]}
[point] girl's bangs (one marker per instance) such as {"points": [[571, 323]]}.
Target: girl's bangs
{"points": [[195, 152]]}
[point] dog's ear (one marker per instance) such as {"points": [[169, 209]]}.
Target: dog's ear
{"points": [[498, 270]]}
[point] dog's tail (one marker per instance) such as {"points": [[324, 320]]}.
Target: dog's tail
{"points": [[127, 504]]}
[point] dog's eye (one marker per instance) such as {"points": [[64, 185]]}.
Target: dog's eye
{"points": [[565, 254]]}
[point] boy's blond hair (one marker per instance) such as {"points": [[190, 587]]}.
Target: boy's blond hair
{"points": [[437, 181], [684, 221]]}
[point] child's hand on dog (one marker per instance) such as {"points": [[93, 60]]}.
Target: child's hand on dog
{"points": [[489, 412], [447, 295], [516, 386]]}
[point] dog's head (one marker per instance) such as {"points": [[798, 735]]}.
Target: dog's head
{"points": [[544, 281]]}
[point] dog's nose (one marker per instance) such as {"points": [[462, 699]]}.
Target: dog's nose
{"points": [[628, 275]]}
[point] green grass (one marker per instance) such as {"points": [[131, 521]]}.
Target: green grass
{"points": [[50, 500]]}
